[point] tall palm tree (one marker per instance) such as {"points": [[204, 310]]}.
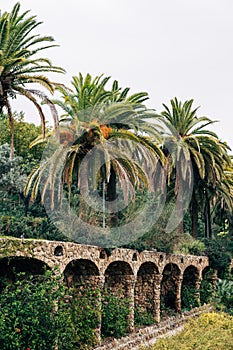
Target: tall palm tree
{"points": [[191, 141], [106, 135], [20, 65]]}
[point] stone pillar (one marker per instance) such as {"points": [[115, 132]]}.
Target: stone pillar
{"points": [[157, 292], [178, 282], [197, 288], [130, 282], [100, 287]]}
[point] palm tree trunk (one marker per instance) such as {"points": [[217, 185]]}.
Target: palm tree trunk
{"points": [[12, 126], [112, 195], [208, 231], [194, 216]]}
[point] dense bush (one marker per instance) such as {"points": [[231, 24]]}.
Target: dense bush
{"points": [[38, 313], [210, 331], [223, 297], [115, 315], [218, 250], [189, 297], [143, 317]]}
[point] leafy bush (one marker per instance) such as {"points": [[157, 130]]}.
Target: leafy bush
{"points": [[189, 297], [27, 314], [210, 331], [223, 298], [189, 245], [40, 313], [30, 227], [115, 315], [143, 317], [206, 291], [217, 249]]}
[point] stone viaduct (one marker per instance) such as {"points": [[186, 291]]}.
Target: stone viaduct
{"points": [[145, 278]]}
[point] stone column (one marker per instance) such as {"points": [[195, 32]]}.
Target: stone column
{"points": [[100, 287], [178, 282], [197, 288], [157, 292], [130, 286]]}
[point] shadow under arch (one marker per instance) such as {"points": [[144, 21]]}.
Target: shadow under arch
{"points": [[11, 267], [190, 295], [82, 273], [170, 289], [147, 294]]}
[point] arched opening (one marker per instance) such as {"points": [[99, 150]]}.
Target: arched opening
{"points": [[13, 268], [81, 273], [103, 254], [189, 289], [147, 294], [58, 251], [134, 257], [207, 286], [170, 289], [117, 300], [82, 280]]}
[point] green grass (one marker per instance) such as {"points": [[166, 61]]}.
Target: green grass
{"points": [[211, 331]]}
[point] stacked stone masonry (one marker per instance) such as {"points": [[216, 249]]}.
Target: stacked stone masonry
{"points": [[145, 278]]}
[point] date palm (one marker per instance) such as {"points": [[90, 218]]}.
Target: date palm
{"points": [[190, 140], [106, 135], [20, 65]]}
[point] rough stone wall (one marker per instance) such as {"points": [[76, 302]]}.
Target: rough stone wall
{"points": [[142, 277]]}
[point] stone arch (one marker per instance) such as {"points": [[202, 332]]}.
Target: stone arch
{"points": [[170, 289], [147, 294], [190, 296], [10, 267], [118, 292], [82, 273]]}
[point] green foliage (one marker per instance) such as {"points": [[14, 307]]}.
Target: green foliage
{"points": [[223, 298], [40, 313], [27, 316], [79, 312], [12, 176], [115, 315], [206, 291], [30, 227], [189, 297], [219, 255], [188, 245], [143, 317], [210, 331], [25, 133]]}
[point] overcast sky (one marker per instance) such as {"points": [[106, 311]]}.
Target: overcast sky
{"points": [[169, 48]]}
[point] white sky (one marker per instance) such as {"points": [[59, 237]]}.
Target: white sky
{"points": [[169, 48]]}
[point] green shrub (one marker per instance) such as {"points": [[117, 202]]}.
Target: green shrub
{"points": [[189, 297], [188, 245], [39, 313], [115, 315], [210, 331], [143, 317], [27, 314], [223, 298], [217, 249], [206, 291]]}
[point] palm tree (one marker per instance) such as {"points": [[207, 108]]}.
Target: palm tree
{"points": [[190, 141], [19, 64], [106, 136]]}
